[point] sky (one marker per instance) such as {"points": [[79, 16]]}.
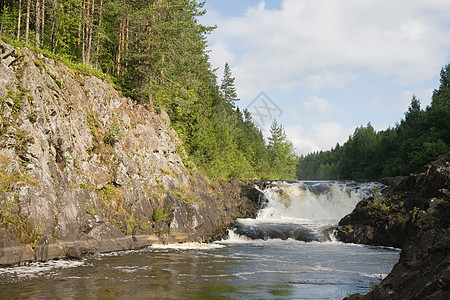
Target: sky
{"points": [[321, 68]]}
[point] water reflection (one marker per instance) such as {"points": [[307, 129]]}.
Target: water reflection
{"points": [[283, 270]]}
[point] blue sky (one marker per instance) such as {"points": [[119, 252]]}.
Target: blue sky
{"points": [[331, 65]]}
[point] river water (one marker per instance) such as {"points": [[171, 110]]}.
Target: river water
{"points": [[288, 252]]}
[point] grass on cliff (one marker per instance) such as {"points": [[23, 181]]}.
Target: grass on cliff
{"points": [[161, 214], [65, 59], [8, 179]]}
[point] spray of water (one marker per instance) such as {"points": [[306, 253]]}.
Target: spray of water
{"points": [[290, 202], [306, 211]]}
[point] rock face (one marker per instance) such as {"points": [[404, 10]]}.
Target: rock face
{"points": [[84, 169], [414, 216]]}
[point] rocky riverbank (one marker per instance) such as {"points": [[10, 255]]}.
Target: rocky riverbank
{"points": [[413, 215], [84, 169]]}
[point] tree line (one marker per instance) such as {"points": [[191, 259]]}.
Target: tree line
{"points": [[155, 51], [418, 139]]}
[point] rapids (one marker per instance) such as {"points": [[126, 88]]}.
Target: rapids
{"points": [[306, 211], [240, 267]]}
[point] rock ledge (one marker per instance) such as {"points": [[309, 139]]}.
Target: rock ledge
{"points": [[413, 215]]}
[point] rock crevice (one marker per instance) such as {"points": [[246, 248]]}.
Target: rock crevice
{"points": [[84, 169], [413, 215]]}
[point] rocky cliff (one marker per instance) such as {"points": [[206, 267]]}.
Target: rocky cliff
{"points": [[84, 169], [413, 215]]}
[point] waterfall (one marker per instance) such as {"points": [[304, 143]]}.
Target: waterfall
{"points": [[306, 211]]}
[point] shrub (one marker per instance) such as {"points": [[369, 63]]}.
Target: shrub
{"points": [[160, 214], [114, 134]]}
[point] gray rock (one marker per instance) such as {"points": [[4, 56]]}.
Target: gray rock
{"points": [[8, 60], [47, 249], [121, 177], [90, 195], [6, 52], [73, 252]]}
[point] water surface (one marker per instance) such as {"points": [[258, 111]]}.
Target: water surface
{"points": [[268, 259], [272, 269]]}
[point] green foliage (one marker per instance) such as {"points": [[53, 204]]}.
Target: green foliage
{"points": [[227, 87], [178, 194], [17, 99], [38, 64], [281, 153], [16, 107], [414, 211], [114, 134], [108, 191], [165, 172], [110, 194], [161, 214], [7, 180], [9, 204], [90, 208], [418, 139], [155, 52]]}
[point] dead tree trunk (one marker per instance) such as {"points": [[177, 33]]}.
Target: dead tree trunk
{"points": [[97, 51], [19, 17], [119, 48], [38, 24], [90, 21], [27, 23], [53, 32], [42, 19]]}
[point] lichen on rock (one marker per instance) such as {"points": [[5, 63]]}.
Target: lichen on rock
{"points": [[83, 169]]}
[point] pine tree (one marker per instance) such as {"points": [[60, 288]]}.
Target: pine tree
{"points": [[282, 154], [227, 88], [156, 50]]}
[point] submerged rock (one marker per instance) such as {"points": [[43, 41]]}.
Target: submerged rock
{"points": [[278, 231], [413, 215], [84, 169]]}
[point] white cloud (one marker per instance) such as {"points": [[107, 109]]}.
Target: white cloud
{"points": [[321, 136], [374, 103], [329, 78], [329, 43], [318, 106], [424, 95], [222, 54], [307, 47], [302, 142], [328, 134]]}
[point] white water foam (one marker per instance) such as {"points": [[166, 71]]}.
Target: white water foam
{"points": [[187, 246], [323, 201], [41, 268], [317, 206], [235, 239]]}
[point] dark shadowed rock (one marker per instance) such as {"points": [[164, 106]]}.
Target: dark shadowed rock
{"points": [[277, 231], [74, 253], [413, 215]]}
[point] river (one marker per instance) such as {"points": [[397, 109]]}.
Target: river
{"points": [[287, 252]]}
